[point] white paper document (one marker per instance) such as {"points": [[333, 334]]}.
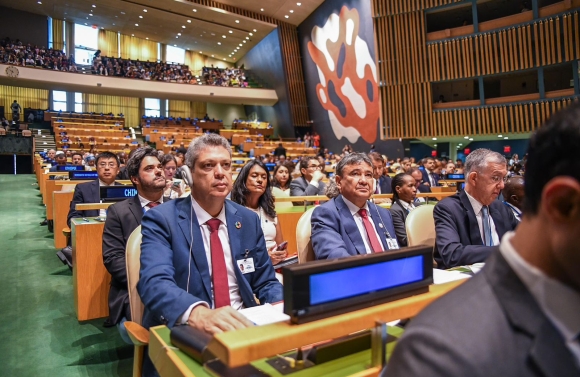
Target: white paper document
{"points": [[265, 314], [444, 276]]}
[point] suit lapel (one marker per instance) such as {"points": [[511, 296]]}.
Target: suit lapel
{"points": [[376, 221], [136, 209], [235, 233], [95, 191], [350, 225], [497, 219], [189, 226], [474, 233]]}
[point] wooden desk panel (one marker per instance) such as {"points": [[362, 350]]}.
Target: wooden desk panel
{"points": [[288, 219], [90, 278], [60, 210]]}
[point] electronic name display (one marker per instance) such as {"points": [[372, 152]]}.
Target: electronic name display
{"points": [[110, 194], [455, 176], [69, 167], [82, 175], [321, 289]]}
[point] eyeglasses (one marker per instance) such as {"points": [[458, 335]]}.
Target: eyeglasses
{"points": [[497, 179], [316, 167], [103, 165]]}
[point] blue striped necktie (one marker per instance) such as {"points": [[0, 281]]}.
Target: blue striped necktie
{"points": [[486, 226]]}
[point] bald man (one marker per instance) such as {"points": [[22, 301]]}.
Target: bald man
{"points": [[514, 195]]}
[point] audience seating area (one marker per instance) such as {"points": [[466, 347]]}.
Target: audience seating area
{"points": [[27, 55]]}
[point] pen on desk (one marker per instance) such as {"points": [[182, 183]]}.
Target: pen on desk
{"points": [[85, 219]]}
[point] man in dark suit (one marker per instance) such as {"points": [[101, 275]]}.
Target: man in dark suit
{"points": [[349, 224], [470, 223], [146, 173], [192, 248], [519, 315], [280, 151], [430, 178], [310, 183], [88, 192], [60, 160], [514, 195], [417, 174], [383, 181]]}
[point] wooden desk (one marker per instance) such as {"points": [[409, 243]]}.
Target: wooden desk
{"points": [[288, 218], [90, 278], [61, 200], [252, 344]]}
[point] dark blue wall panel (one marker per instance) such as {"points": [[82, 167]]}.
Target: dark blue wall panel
{"points": [[265, 63], [28, 27]]}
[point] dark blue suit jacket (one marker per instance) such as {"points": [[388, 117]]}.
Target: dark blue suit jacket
{"points": [[458, 239], [335, 234], [426, 177], [385, 184], [165, 261]]}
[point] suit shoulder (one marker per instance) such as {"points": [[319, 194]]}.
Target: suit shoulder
{"points": [[240, 209], [298, 182], [449, 202]]}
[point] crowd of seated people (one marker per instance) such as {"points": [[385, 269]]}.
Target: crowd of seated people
{"points": [[234, 77], [26, 55]]}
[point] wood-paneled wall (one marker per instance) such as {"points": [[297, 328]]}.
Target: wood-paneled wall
{"points": [[548, 41], [407, 66], [290, 49]]}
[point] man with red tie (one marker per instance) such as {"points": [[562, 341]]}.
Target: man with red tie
{"points": [[349, 224], [147, 175], [193, 247]]}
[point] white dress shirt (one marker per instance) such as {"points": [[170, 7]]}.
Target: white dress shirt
{"points": [[144, 202], [560, 303], [406, 206], [202, 218], [360, 225], [477, 206], [103, 212]]}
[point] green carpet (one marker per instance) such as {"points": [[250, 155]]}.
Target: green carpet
{"points": [[39, 332]]}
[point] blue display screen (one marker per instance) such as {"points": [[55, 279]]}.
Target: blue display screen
{"points": [[113, 192], [356, 281], [82, 175], [69, 167], [455, 176]]}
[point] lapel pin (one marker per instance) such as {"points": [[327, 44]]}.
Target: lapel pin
{"points": [[238, 225], [380, 225]]}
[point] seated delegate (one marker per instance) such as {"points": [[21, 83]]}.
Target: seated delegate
{"points": [[404, 191], [252, 190]]}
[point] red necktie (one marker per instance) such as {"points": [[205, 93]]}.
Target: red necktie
{"points": [[221, 289], [375, 243], [153, 204]]}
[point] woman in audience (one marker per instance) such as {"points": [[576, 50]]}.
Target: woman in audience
{"points": [[281, 185], [252, 190], [404, 192], [173, 188]]}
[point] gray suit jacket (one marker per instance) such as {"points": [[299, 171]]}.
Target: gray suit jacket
{"points": [[299, 187], [489, 326]]}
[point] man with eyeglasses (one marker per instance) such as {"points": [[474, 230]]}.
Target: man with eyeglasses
{"points": [[311, 181], [469, 224], [421, 188], [107, 165]]}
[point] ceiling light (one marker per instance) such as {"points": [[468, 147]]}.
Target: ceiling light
{"points": [[189, 21], [200, 83], [195, 10], [298, 4], [219, 43], [224, 58], [229, 31], [90, 14], [460, 143], [94, 6], [140, 16], [251, 34], [183, 26], [86, 23], [470, 139], [145, 10], [244, 41], [40, 2], [136, 24], [237, 21], [506, 138], [178, 33], [466, 137], [223, 36], [177, 36], [434, 138], [113, 24], [147, 38], [287, 16], [201, 52], [174, 45], [262, 9], [247, 38], [499, 135], [212, 56], [131, 34], [241, 45], [255, 30], [291, 11], [122, 12], [230, 55]]}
